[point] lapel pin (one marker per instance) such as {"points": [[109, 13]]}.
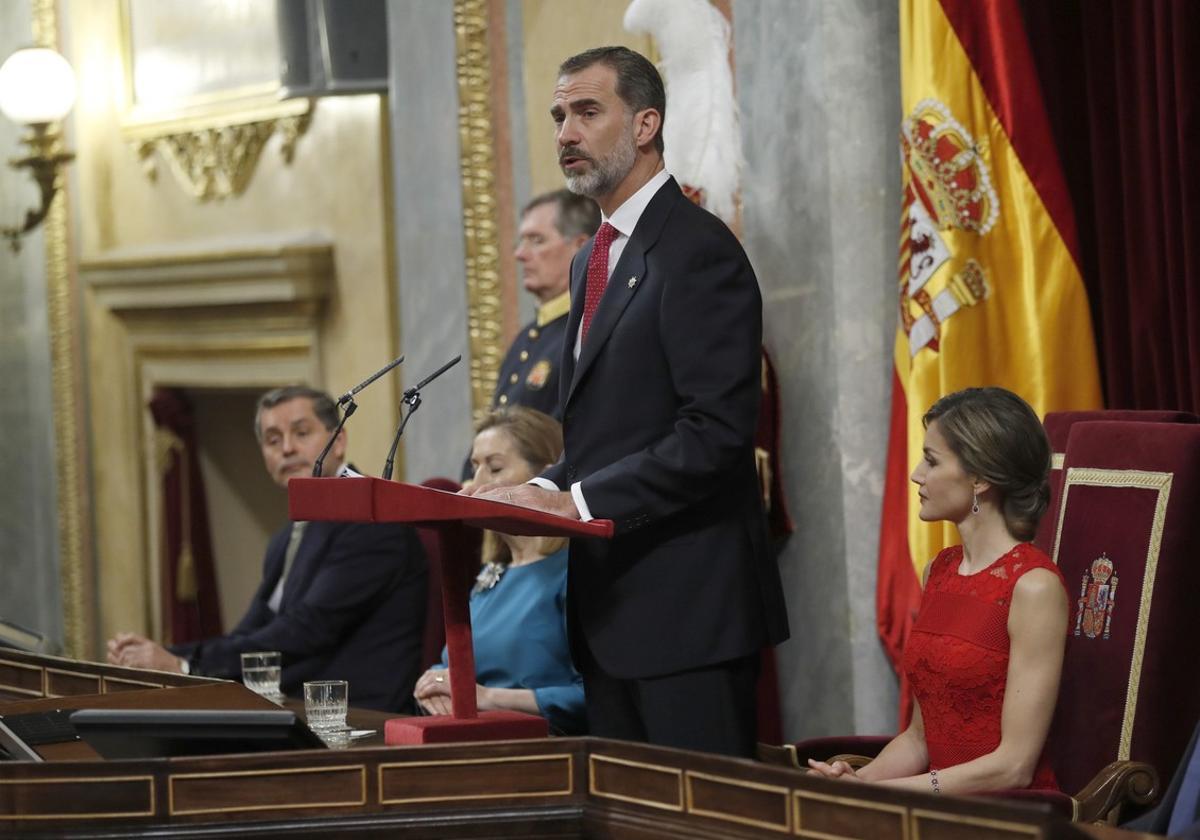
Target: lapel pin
{"points": [[632, 282]]}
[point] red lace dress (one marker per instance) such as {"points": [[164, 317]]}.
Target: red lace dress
{"points": [[957, 656]]}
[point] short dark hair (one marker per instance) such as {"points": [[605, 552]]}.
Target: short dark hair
{"points": [[638, 83], [322, 404], [998, 437], [575, 215]]}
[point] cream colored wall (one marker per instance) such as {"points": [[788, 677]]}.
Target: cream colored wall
{"points": [[240, 494], [553, 31], [334, 186]]}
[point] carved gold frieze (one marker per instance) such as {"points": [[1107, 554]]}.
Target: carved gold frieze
{"points": [[193, 101], [218, 161], [480, 214]]}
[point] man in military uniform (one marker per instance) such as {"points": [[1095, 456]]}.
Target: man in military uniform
{"points": [[553, 227]]}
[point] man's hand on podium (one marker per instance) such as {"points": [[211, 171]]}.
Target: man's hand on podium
{"points": [[133, 651], [558, 502]]}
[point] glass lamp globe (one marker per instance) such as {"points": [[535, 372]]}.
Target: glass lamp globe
{"points": [[37, 85]]}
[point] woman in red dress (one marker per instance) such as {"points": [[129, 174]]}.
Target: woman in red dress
{"points": [[985, 655]]}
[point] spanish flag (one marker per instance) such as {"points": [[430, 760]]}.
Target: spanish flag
{"points": [[989, 280]]}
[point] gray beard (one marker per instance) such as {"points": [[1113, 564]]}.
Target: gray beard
{"points": [[606, 173]]}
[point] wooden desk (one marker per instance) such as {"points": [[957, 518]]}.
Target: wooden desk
{"points": [[556, 787], [31, 676]]}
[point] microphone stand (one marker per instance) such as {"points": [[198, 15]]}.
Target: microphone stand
{"points": [[319, 464], [412, 398]]}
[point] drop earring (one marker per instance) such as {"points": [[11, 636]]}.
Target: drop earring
{"points": [[975, 502]]}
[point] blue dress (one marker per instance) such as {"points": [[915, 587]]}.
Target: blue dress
{"points": [[519, 628]]}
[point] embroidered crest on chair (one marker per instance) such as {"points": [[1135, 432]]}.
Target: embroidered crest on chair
{"points": [[1097, 598]]}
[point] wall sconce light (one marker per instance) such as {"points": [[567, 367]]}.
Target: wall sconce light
{"points": [[37, 89]]}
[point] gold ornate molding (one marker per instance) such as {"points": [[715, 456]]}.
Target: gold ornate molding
{"points": [[74, 547], [218, 161], [480, 214]]}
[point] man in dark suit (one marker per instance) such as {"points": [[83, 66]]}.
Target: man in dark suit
{"points": [[338, 600], [660, 395]]}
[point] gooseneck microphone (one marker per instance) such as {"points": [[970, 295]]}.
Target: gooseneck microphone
{"points": [[348, 397], [349, 406], [412, 398]]}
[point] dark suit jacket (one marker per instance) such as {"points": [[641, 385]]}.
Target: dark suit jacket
{"points": [[658, 418], [1158, 820], [353, 609]]}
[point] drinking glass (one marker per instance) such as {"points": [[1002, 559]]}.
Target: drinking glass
{"points": [[325, 703], [261, 672]]}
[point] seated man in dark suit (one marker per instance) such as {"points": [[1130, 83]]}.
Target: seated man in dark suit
{"points": [[338, 600]]}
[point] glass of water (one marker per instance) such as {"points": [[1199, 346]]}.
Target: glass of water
{"points": [[261, 672], [325, 703]]}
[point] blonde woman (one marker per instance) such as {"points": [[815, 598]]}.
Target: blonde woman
{"points": [[518, 606]]}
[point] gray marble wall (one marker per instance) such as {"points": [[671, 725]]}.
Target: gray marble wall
{"points": [[818, 87], [430, 261], [29, 583]]}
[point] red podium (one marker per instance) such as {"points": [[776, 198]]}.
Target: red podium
{"points": [[376, 500]]}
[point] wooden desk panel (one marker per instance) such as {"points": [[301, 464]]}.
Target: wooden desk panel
{"points": [[211, 695], [29, 676], [556, 787]]}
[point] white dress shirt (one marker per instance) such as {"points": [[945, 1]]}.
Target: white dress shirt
{"points": [[624, 219]]}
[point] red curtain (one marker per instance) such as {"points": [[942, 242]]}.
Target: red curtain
{"points": [[1121, 80], [191, 608]]}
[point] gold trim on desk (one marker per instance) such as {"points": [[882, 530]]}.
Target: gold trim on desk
{"points": [[919, 814], [798, 812], [77, 781], [28, 691], [479, 196], [1160, 482], [295, 771], [105, 680], [567, 791], [785, 828], [674, 772], [76, 675]]}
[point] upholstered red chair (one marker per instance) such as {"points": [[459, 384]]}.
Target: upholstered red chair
{"points": [[1058, 427], [442, 545], [1126, 544]]}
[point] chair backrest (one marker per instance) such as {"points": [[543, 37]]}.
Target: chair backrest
{"points": [[452, 549], [1126, 542], [1058, 428]]}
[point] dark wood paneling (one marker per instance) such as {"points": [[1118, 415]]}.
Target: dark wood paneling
{"points": [[277, 790], [506, 777]]}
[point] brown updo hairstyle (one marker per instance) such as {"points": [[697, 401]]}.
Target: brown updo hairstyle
{"points": [[998, 438], [538, 439]]}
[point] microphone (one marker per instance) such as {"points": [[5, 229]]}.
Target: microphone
{"points": [[412, 398], [349, 395], [347, 403]]}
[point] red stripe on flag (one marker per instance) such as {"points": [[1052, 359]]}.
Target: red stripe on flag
{"points": [[993, 36], [897, 591]]}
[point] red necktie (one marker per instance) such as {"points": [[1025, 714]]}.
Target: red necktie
{"points": [[597, 275]]}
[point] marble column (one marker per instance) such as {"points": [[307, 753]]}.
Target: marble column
{"points": [[428, 220], [30, 594], [818, 88]]}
